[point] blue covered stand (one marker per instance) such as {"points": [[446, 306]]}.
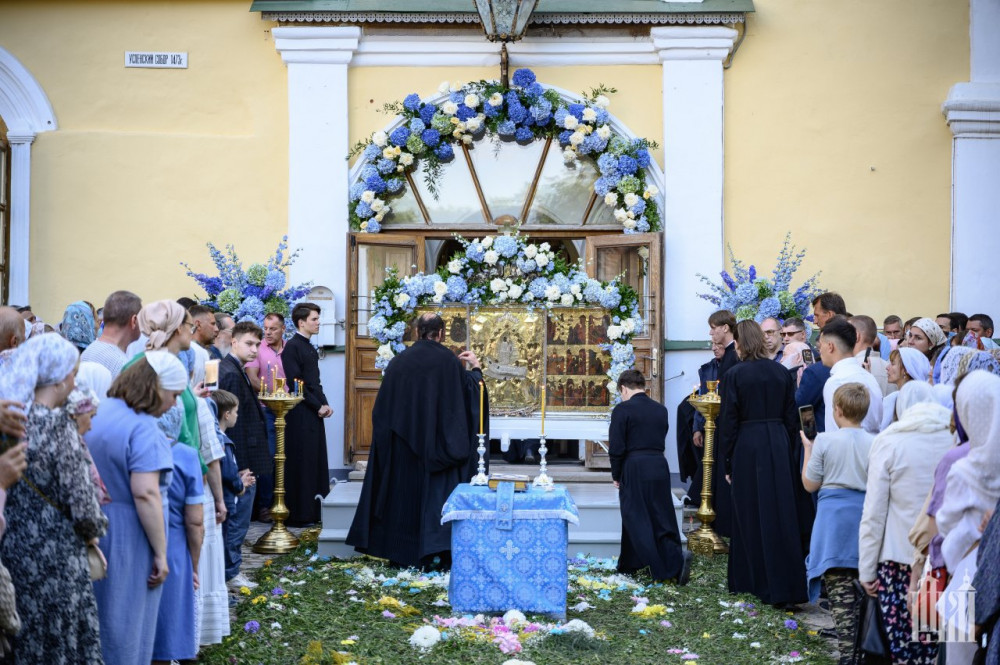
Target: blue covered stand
{"points": [[508, 549]]}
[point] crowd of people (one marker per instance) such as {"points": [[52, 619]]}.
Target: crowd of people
{"points": [[127, 485], [893, 492]]}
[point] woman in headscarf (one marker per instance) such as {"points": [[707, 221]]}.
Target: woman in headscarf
{"points": [[53, 515], [78, 325], [900, 472], [905, 365], [134, 460], [926, 336]]}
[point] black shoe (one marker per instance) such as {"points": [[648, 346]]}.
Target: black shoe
{"points": [[685, 575]]}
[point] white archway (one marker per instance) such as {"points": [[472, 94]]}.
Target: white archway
{"points": [[26, 111]]}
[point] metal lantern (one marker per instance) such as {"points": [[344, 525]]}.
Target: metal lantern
{"points": [[505, 21]]}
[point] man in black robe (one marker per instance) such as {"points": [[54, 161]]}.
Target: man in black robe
{"points": [[722, 326], [307, 473], [637, 440], [424, 427]]}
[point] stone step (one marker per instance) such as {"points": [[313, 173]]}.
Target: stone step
{"points": [[598, 533]]}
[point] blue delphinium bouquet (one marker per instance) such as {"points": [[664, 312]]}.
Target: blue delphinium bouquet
{"points": [[252, 294], [750, 296]]}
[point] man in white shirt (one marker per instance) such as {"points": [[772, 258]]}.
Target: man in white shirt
{"points": [[837, 340], [867, 331]]}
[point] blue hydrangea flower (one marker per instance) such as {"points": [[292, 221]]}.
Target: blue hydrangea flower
{"points": [[457, 96], [577, 110], [506, 128], [431, 137], [523, 134], [534, 91], [399, 136], [363, 210], [560, 116], [427, 112], [643, 159], [541, 110], [372, 226], [602, 117], [528, 265], [375, 183], [417, 125], [638, 208], [251, 309], [564, 137], [642, 225], [367, 171], [371, 152], [592, 292], [627, 165], [537, 287], [491, 111], [376, 326], [464, 112], [457, 288], [385, 166], [605, 184], [275, 280], [523, 78], [505, 246], [357, 189], [592, 143], [769, 307], [398, 328], [475, 252], [746, 293], [411, 102], [609, 298], [444, 152], [394, 185], [607, 164], [517, 112], [562, 281]]}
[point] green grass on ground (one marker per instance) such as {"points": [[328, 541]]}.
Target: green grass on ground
{"points": [[313, 611]]}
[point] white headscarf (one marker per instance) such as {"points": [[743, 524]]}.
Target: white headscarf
{"points": [[978, 407], [916, 364], [41, 361], [917, 410], [932, 330], [949, 364], [169, 370]]}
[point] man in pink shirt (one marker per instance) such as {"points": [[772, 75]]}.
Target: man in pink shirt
{"points": [[266, 367]]}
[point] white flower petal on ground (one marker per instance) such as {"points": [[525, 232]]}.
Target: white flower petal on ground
{"points": [[578, 626], [425, 637], [512, 617]]}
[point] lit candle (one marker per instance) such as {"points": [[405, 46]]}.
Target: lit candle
{"points": [[543, 409], [482, 391]]}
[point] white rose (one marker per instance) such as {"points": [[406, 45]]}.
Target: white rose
{"points": [[457, 133], [377, 205], [406, 159], [381, 215], [628, 325], [385, 352], [400, 168], [401, 300], [491, 257], [497, 285], [631, 199], [552, 292], [621, 215], [454, 266], [467, 140], [569, 155], [472, 100], [545, 247], [487, 242], [368, 196], [515, 291], [473, 124], [444, 87], [629, 223], [630, 214], [602, 102], [440, 288], [541, 259], [389, 153], [570, 122], [589, 114], [611, 199], [567, 299], [614, 332], [449, 108], [379, 138], [575, 289], [604, 132], [651, 192], [496, 99], [576, 138], [530, 251]]}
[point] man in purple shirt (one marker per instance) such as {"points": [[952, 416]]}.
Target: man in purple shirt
{"points": [[266, 367]]}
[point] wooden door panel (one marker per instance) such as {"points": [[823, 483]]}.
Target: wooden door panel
{"points": [[360, 405]]}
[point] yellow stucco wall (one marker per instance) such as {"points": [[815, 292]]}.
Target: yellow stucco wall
{"points": [[148, 165], [834, 132]]}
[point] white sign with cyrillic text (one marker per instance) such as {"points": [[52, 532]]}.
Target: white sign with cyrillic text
{"points": [[156, 60]]}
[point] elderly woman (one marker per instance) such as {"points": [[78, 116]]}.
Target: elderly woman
{"points": [[133, 457], [905, 365], [900, 471], [52, 515], [792, 359], [78, 325]]}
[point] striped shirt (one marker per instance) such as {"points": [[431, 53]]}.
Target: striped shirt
{"points": [[108, 355]]}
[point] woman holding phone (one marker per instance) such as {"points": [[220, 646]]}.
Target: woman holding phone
{"points": [[758, 426]]}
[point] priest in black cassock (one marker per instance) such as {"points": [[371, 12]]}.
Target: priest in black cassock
{"points": [[722, 328], [637, 440], [424, 427], [307, 473]]}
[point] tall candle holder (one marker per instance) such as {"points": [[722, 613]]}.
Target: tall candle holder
{"points": [[543, 479], [279, 540], [481, 478], [705, 541]]}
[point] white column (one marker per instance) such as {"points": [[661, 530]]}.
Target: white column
{"points": [[317, 60], [20, 216], [973, 114]]}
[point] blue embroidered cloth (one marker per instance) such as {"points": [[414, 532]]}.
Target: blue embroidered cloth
{"points": [[508, 550]]}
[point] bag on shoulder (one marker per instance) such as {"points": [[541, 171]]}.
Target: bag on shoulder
{"points": [[95, 560]]}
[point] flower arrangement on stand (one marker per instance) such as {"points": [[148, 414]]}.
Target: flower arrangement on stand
{"points": [[251, 294], [523, 113], [496, 270], [751, 296]]}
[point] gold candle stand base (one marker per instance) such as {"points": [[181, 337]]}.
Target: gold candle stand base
{"points": [[278, 540], [705, 541]]}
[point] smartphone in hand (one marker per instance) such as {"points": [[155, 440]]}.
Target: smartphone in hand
{"points": [[807, 421], [807, 357]]}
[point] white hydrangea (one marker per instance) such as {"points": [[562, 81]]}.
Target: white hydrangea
{"points": [[602, 102], [552, 292], [567, 300], [542, 259], [497, 285], [614, 332], [496, 99], [589, 114], [385, 352], [545, 247], [628, 325], [611, 199], [576, 138], [380, 138], [454, 266], [368, 196], [472, 100], [569, 155], [425, 637], [575, 289], [515, 291], [513, 617], [406, 159], [491, 257], [604, 132], [612, 387], [473, 124], [487, 242], [570, 122], [631, 199], [530, 251], [578, 626], [449, 108], [401, 300]]}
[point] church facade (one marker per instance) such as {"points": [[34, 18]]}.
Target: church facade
{"points": [[867, 130]]}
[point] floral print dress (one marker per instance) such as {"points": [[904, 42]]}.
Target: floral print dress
{"points": [[45, 549]]}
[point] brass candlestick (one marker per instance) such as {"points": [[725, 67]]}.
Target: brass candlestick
{"points": [[705, 541], [279, 540]]}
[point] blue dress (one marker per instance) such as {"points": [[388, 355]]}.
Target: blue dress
{"points": [[123, 442], [175, 634]]}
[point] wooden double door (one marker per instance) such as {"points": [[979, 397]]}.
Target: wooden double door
{"points": [[607, 255]]}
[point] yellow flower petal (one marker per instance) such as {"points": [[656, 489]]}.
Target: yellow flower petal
{"points": [[347, 642], [706, 636], [245, 590]]}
